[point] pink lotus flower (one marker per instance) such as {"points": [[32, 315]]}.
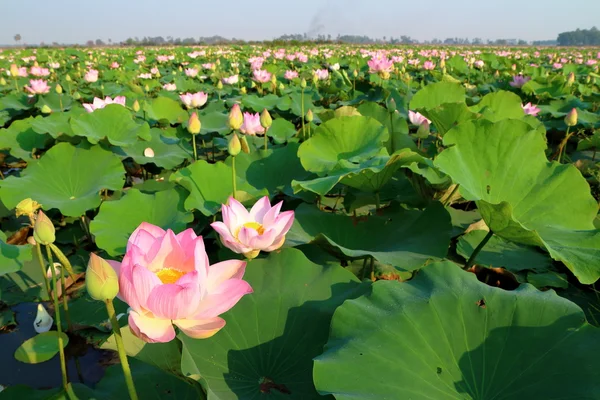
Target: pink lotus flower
{"points": [[39, 71], [170, 87], [38, 86], [162, 59], [22, 72], [519, 80], [91, 76], [208, 66], [557, 65], [251, 125], [322, 74], [194, 100], [154, 71], [54, 65], [231, 80], [417, 118], [114, 65], [530, 109], [99, 103], [380, 63], [479, 64], [262, 76], [166, 279], [146, 75], [247, 233], [291, 75], [191, 72], [428, 65]]}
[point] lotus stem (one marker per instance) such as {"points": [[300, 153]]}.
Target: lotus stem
{"points": [[233, 180], [563, 144], [266, 139], [38, 248], [479, 247], [302, 113], [194, 146], [110, 308], [449, 198]]}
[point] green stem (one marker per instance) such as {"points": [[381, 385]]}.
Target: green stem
{"points": [[194, 146], [377, 201], [563, 144], [112, 315], [392, 132], [480, 246], [86, 229], [63, 288], [63, 260], [233, 180], [302, 113], [266, 139], [38, 248], [61, 351], [449, 198]]}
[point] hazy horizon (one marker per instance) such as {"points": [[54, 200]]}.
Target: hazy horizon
{"points": [[76, 22]]}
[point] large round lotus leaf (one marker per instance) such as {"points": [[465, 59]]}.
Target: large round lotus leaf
{"points": [[56, 102], [215, 121], [210, 185], [342, 142], [67, 178], [444, 335], [267, 347], [436, 94], [522, 196], [21, 139], [41, 347], [167, 152], [258, 104], [117, 220], [282, 130], [163, 108], [395, 124], [114, 122], [55, 124], [444, 117], [12, 258], [502, 253], [405, 239], [500, 105]]}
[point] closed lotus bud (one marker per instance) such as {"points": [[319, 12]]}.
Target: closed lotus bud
{"points": [[194, 124], [27, 207], [76, 96], [570, 79], [68, 78], [234, 146], [58, 88], [281, 86], [253, 84], [43, 229], [309, 115], [146, 88], [180, 68], [588, 79], [136, 106], [218, 62], [273, 79], [355, 73], [497, 74], [303, 83], [219, 85], [2, 81], [101, 280], [245, 147], [265, 119], [235, 119], [423, 131], [14, 70], [571, 118], [442, 63], [243, 90], [46, 109], [390, 104]]}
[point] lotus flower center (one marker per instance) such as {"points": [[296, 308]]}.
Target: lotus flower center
{"points": [[169, 275], [252, 225]]}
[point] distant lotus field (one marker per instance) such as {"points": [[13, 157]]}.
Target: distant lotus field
{"points": [[331, 221]]}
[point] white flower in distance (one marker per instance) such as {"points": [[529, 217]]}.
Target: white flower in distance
{"points": [[43, 321]]}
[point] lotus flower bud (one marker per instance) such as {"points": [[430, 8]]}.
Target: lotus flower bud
{"points": [[253, 84], [58, 88], [588, 79], [46, 109], [265, 119], [27, 207], [423, 131], [101, 280], [43, 229], [245, 147], [236, 119], [571, 118], [390, 104], [180, 68], [218, 62], [194, 124], [281, 86], [443, 62], [303, 83], [234, 146], [355, 73], [570, 79], [243, 90], [219, 85], [14, 70], [146, 88], [68, 78], [273, 79], [136, 106], [497, 74], [309, 115], [2, 81], [76, 96]]}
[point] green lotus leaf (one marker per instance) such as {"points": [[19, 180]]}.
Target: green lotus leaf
{"points": [[214, 122], [56, 102], [55, 124], [395, 124], [12, 257], [41, 347], [521, 196], [21, 139], [266, 348], [499, 105], [445, 335], [258, 104], [67, 178], [117, 219], [436, 94], [163, 108], [281, 131], [113, 122]]}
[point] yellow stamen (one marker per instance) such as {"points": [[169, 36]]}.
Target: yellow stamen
{"points": [[169, 275], [252, 225]]}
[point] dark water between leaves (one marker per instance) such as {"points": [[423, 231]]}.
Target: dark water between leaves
{"points": [[47, 374]]}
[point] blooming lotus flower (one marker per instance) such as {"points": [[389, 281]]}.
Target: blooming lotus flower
{"points": [[191, 72], [322, 74], [262, 228], [154, 71], [38, 86], [557, 65], [146, 75], [166, 279], [54, 65], [39, 71], [208, 66], [530, 109], [170, 87], [231, 80], [99, 103], [519, 80], [162, 59], [262, 76], [290, 75], [428, 65], [194, 100], [22, 72], [479, 64], [91, 76], [417, 118], [335, 67], [252, 125], [114, 65], [380, 63]]}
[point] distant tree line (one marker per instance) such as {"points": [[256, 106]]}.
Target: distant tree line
{"points": [[580, 37]]}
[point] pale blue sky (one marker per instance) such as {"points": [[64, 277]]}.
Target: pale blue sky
{"points": [[69, 21]]}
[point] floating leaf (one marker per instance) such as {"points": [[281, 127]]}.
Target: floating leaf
{"points": [[12, 258], [41, 347]]}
